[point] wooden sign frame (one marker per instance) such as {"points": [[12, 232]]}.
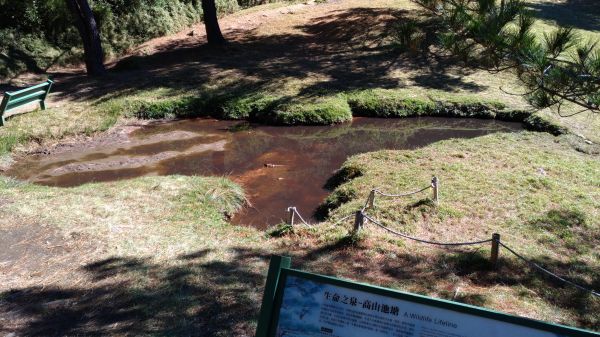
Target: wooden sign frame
{"points": [[280, 272]]}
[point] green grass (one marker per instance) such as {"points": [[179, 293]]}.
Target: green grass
{"points": [[253, 106], [157, 241], [394, 104], [152, 215], [164, 246], [532, 175], [539, 194], [319, 111], [451, 91], [391, 103], [56, 123]]}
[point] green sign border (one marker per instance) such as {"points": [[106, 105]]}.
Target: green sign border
{"points": [[279, 270]]}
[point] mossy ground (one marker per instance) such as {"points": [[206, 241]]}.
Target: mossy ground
{"points": [[156, 255], [52, 125]]}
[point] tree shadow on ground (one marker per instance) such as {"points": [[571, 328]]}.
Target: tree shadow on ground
{"points": [[475, 267], [430, 273], [583, 14], [342, 50], [196, 295], [129, 296], [438, 79]]}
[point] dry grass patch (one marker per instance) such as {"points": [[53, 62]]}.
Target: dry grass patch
{"points": [[533, 189], [158, 216]]}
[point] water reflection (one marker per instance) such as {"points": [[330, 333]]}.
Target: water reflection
{"points": [[278, 166]]}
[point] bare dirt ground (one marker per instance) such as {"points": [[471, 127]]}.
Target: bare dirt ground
{"points": [[73, 287], [38, 255]]}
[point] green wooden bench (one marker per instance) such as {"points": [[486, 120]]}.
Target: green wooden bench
{"points": [[15, 99]]}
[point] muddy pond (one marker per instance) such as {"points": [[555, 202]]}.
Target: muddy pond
{"points": [[277, 166]]}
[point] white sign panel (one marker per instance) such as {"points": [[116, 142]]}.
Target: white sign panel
{"points": [[312, 309]]}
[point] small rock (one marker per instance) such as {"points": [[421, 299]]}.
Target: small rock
{"points": [[542, 171]]}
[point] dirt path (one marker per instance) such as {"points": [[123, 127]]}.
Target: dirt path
{"points": [[233, 27], [333, 42]]}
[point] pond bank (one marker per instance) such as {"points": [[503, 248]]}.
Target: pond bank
{"points": [[277, 166]]}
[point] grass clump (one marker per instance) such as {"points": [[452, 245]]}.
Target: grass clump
{"points": [[391, 103], [280, 230], [224, 197], [387, 103], [541, 124], [353, 238], [171, 108], [319, 111], [338, 197], [253, 106], [568, 225], [9, 140], [344, 175], [241, 105], [53, 124], [509, 115], [560, 221]]}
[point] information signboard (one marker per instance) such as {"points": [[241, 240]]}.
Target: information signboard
{"points": [[310, 305]]}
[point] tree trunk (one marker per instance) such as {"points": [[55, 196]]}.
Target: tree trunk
{"points": [[211, 22], [86, 25]]}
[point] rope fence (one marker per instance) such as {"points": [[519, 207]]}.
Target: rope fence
{"points": [[435, 185], [293, 212], [469, 243], [546, 271], [360, 218], [495, 240]]}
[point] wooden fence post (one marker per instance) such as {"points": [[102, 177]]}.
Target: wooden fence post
{"points": [[371, 201], [435, 184], [495, 249], [266, 309], [359, 220], [291, 215]]}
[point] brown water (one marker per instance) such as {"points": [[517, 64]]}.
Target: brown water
{"points": [[277, 166]]}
